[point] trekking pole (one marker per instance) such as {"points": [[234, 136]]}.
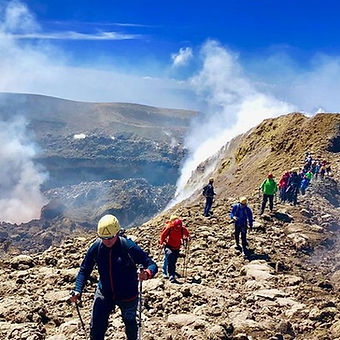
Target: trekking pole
{"points": [[187, 250], [259, 198], [140, 307], [80, 318], [185, 257]]}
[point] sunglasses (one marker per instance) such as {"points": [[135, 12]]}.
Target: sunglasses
{"points": [[107, 238]]}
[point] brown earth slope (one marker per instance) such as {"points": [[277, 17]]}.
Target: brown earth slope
{"points": [[288, 288]]}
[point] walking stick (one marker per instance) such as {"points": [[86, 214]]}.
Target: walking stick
{"points": [[140, 307], [79, 315], [187, 253], [185, 257]]}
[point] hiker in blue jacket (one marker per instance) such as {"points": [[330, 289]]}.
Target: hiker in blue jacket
{"points": [[116, 258], [304, 185], [242, 214]]}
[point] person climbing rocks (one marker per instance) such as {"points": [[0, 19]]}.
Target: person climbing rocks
{"points": [[304, 184], [166, 255], [171, 239], [308, 161], [283, 182], [208, 193], [241, 214], [322, 170], [116, 258], [269, 188], [309, 175], [316, 170], [293, 186]]}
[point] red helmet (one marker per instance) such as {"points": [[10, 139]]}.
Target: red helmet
{"points": [[270, 175]]}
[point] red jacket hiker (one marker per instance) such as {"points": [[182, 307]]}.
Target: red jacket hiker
{"points": [[173, 233]]}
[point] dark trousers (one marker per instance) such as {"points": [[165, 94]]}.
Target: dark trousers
{"points": [[208, 204], [172, 259], [283, 194], [264, 202], [243, 231], [292, 194], [103, 306]]}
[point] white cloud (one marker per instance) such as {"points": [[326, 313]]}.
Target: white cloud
{"points": [[182, 57], [70, 35], [38, 67], [17, 18]]}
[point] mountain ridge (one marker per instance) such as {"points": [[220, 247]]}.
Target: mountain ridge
{"points": [[288, 288]]}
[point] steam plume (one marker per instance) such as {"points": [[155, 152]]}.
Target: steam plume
{"points": [[234, 106], [20, 180]]}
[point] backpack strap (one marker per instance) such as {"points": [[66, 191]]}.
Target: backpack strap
{"points": [[125, 249], [238, 208]]}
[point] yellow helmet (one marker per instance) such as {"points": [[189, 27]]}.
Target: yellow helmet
{"points": [[243, 200], [108, 226]]}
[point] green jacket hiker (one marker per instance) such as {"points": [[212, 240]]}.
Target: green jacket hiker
{"points": [[269, 186]]}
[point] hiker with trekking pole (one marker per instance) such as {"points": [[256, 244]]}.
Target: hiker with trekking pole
{"points": [[171, 238], [186, 257], [116, 258]]}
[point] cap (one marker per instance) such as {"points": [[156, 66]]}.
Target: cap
{"points": [[270, 175], [108, 227]]}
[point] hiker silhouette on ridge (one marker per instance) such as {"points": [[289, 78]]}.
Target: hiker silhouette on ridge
{"points": [[208, 193]]}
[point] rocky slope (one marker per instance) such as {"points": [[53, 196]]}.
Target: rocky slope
{"points": [[275, 145], [74, 210], [99, 157], [288, 287]]}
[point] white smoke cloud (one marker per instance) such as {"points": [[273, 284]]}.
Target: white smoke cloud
{"points": [[20, 179], [17, 18], [235, 105], [182, 57], [37, 66]]}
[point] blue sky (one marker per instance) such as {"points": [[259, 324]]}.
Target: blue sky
{"points": [[86, 50], [159, 28], [164, 26]]}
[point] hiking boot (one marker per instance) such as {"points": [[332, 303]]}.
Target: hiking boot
{"points": [[165, 276], [172, 279], [238, 247]]}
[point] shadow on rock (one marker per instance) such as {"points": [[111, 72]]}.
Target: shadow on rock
{"points": [[283, 217], [252, 256]]}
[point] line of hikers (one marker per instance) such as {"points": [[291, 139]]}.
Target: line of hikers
{"points": [[292, 182], [117, 257]]}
